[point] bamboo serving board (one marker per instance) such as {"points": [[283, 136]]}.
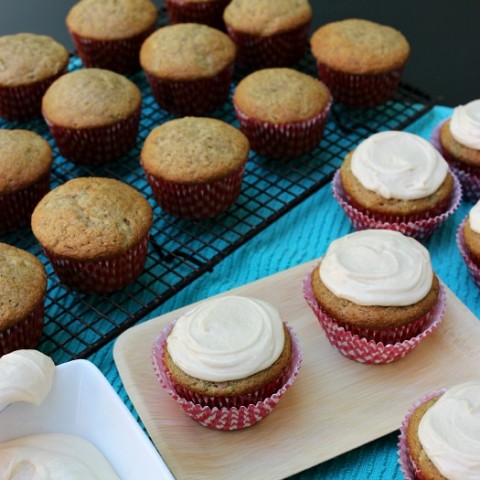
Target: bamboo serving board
{"points": [[334, 406]]}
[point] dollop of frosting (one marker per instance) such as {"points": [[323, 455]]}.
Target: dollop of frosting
{"points": [[228, 338], [25, 375], [449, 432], [398, 165], [474, 217], [377, 267], [465, 124], [53, 456]]}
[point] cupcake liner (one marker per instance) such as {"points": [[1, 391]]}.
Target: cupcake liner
{"points": [[472, 266], [96, 145], [119, 55], [196, 201], [24, 334], [224, 418], [367, 351], [101, 276], [407, 466], [192, 97], [208, 12], [16, 207], [282, 140], [360, 91], [419, 228], [280, 50]]}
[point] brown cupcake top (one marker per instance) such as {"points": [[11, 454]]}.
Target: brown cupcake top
{"points": [[26, 58], [187, 51], [265, 18], [91, 218], [25, 157], [360, 46], [91, 97], [111, 19], [194, 150], [280, 95], [23, 283], [453, 148]]}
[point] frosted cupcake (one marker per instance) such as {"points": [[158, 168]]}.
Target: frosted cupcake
{"points": [[440, 435], [232, 356], [397, 180], [468, 241], [375, 294]]}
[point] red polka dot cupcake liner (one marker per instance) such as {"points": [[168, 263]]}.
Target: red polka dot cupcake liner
{"points": [[365, 350], [24, 334], [96, 145], [283, 140], [16, 207], [472, 266], [196, 201], [360, 91], [417, 227], [192, 97], [407, 465], [101, 276], [222, 417], [121, 56], [280, 50], [208, 12]]}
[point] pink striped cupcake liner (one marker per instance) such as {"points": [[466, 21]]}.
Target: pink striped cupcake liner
{"points": [[16, 207], [283, 140], [280, 50], [191, 97], [207, 12], [419, 228], [101, 276], [374, 351], [360, 91], [24, 334], [96, 145], [472, 266], [223, 418]]}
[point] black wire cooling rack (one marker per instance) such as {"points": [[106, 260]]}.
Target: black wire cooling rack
{"points": [[77, 325]]}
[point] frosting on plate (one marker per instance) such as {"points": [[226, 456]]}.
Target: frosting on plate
{"points": [[465, 124]]}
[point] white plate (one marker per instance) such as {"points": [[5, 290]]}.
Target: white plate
{"points": [[82, 402]]}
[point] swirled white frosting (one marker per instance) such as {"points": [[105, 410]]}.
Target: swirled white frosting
{"points": [[228, 338], [25, 375], [474, 217], [449, 432], [377, 267], [53, 457], [398, 165], [465, 124]]}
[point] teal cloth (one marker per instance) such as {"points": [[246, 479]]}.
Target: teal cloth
{"points": [[302, 235]]}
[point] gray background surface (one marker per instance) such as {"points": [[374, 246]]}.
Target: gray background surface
{"points": [[443, 35]]}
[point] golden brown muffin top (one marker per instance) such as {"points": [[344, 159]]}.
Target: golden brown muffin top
{"points": [[25, 158], [111, 19], [91, 218], [266, 17], [279, 95], [460, 152], [90, 97], [194, 150], [360, 46], [187, 51], [23, 283], [26, 58]]}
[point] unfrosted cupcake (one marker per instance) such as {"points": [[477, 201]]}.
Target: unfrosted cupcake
{"points": [[23, 283], [376, 295], [228, 356], [25, 164], [397, 180], [208, 12], [359, 60], [189, 67], [95, 232], [195, 166], [29, 64], [269, 34], [93, 115], [440, 435], [283, 112], [109, 33]]}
